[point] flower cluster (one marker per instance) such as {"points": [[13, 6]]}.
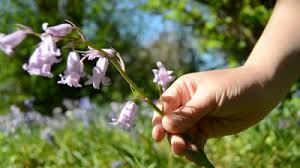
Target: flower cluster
{"points": [[47, 54]]}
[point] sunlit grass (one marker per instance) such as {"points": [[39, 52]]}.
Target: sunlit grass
{"points": [[265, 145]]}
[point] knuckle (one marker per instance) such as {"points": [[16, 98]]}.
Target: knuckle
{"points": [[171, 125]]}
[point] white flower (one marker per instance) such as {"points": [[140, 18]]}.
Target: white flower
{"points": [[44, 56], [10, 41], [162, 76], [126, 117], [58, 30], [73, 72], [99, 72]]}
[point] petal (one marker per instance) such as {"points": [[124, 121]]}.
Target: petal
{"points": [[155, 71], [169, 72], [44, 26]]}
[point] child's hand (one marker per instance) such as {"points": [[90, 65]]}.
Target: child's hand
{"points": [[213, 104]]}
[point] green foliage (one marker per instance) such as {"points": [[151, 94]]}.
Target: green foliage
{"points": [[219, 28], [95, 146], [227, 28], [231, 27], [273, 143], [106, 23]]}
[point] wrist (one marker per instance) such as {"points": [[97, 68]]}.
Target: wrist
{"points": [[275, 77]]}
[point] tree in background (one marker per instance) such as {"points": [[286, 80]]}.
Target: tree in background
{"points": [[227, 27], [108, 23]]}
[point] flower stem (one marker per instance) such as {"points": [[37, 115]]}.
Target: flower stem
{"points": [[199, 157], [134, 86], [125, 76]]}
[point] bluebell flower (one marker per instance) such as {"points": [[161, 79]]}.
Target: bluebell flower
{"points": [[126, 117], [73, 72], [162, 76]]}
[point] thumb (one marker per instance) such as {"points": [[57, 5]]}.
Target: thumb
{"points": [[183, 118]]}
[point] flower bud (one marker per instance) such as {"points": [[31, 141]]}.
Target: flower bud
{"points": [[58, 30], [10, 41]]}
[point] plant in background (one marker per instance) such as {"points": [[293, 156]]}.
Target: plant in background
{"points": [[47, 55]]}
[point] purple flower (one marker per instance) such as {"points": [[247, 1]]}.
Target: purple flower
{"points": [[99, 72], [10, 41], [110, 51], [33, 117], [48, 135], [86, 104], [59, 30], [162, 76], [126, 117], [73, 72], [116, 164], [92, 53], [44, 56], [16, 117]]}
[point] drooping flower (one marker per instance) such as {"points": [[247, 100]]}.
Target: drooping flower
{"points": [[44, 56], [10, 41], [126, 117], [58, 30], [99, 72], [73, 72], [162, 76], [92, 53]]}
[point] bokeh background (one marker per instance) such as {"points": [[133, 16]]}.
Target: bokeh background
{"points": [[44, 124]]}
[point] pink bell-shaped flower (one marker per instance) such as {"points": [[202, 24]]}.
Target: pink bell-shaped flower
{"points": [[10, 41], [126, 117], [73, 72], [99, 72], [92, 53], [58, 30], [44, 56]]}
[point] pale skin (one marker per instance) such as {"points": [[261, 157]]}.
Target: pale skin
{"points": [[227, 101]]}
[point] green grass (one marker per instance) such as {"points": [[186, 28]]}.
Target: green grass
{"points": [[265, 145]]}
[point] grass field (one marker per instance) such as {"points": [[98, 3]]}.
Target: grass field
{"points": [[273, 143]]}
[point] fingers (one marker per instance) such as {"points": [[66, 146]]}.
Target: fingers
{"points": [[177, 143], [185, 117], [171, 98], [180, 143], [158, 131], [170, 102], [197, 145]]}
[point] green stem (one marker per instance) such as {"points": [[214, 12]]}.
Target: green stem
{"points": [[134, 86], [126, 77], [198, 156], [160, 99]]}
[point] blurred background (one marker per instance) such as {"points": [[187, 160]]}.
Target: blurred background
{"points": [[44, 124]]}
